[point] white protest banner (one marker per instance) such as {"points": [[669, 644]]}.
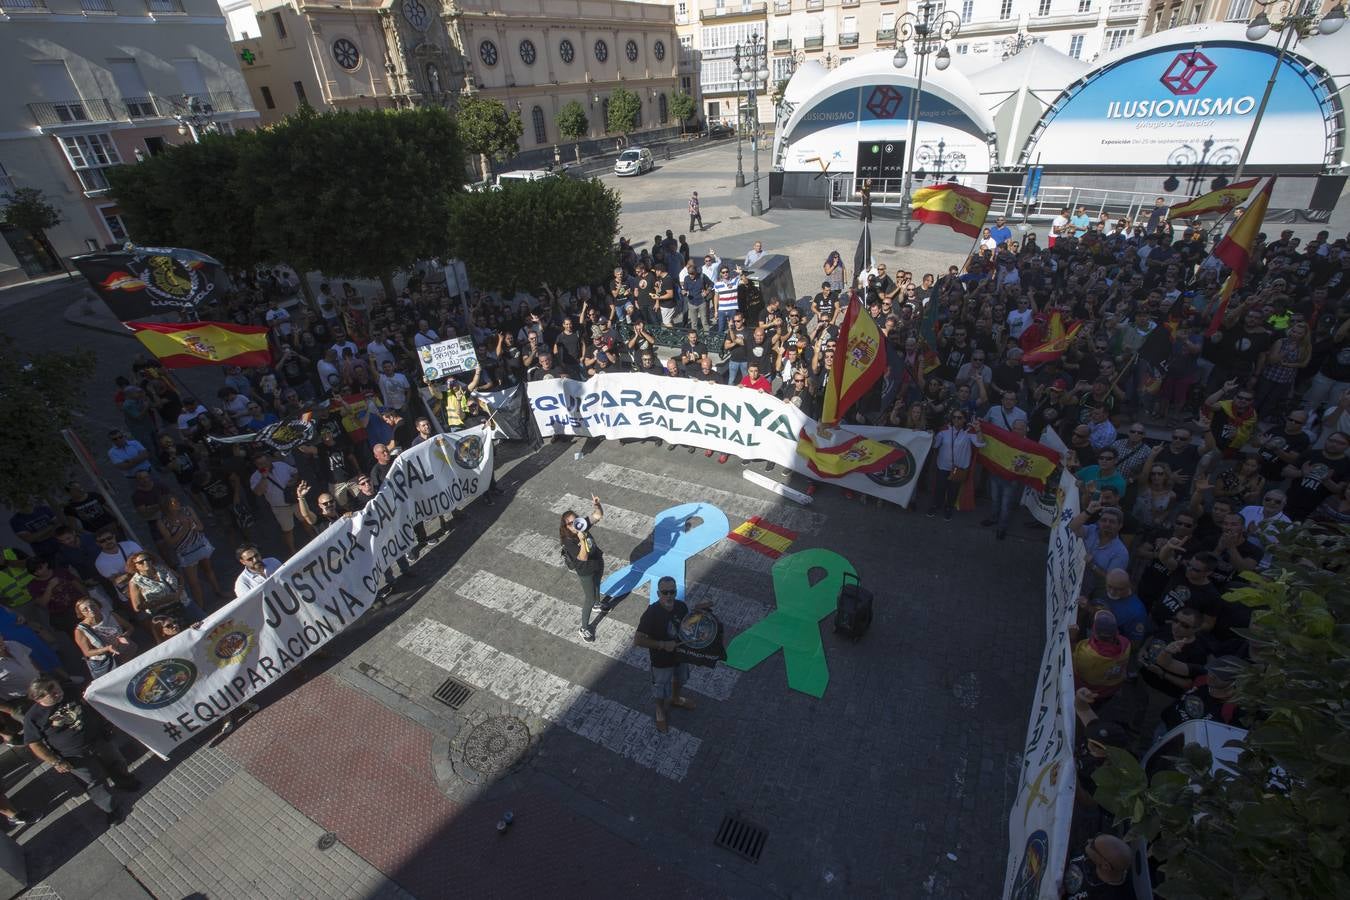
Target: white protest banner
{"points": [[445, 358], [1041, 504], [718, 417], [174, 690], [1038, 825]]}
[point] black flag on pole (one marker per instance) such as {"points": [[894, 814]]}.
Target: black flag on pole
{"points": [[862, 258]]}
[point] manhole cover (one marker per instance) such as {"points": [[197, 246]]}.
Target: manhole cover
{"points": [[327, 841], [496, 744]]}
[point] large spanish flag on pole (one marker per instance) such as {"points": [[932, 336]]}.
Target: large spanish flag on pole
{"points": [[1235, 250], [961, 209], [859, 363], [1057, 340], [181, 345], [1220, 202], [1010, 455]]}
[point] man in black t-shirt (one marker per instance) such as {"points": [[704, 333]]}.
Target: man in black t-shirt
{"points": [[1190, 585], [1180, 456], [1284, 447], [1321, 474], [659, 631], [90, 508], [74, 739]]}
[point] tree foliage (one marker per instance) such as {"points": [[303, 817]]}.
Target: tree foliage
{"points": [[571, 121], [43, 391], [779, 91], [27, 208], [487, 129], [358, 193], [624, 107], [1279, 826], [556, 233], [682, 107]]}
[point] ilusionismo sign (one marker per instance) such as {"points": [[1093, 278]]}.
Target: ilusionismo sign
{"points": [[1158, 110]]}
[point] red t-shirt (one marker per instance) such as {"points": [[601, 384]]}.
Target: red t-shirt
{"points": [[760, 384]]}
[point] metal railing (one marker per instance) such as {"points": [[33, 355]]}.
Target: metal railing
{"points": [[73, 112], [97, 6], [165, 7], [814, 43], [141, 107], [848, 39], [782, 43], [782, 7], [885, 35], [733, 9], [23, 5]]}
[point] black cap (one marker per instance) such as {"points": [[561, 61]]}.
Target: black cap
{"points": [[1112, 734]]}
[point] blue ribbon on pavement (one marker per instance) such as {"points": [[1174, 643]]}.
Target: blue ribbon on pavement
{"points": [[673, 542]]}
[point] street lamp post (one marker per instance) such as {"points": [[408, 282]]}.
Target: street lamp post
{"points": [[740, 172], [930, 27], [194, 119], [754, 74], [1293, 25]]}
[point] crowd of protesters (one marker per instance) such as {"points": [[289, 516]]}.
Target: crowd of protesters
{"points": [[1193, 436]]}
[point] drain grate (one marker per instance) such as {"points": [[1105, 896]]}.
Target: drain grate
{"points": [[741, 838], [453, 693]]}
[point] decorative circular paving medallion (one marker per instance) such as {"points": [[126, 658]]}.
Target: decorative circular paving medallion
{"points": [[496, 744]]}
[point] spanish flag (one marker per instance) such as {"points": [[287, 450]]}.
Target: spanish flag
{"points": [[853, 453], [1010, 455], [1057, 339], [763, 537], [1235, 250], [1225, 295], [181, 345], [1220, 202], [859, 362], [961, 209]]}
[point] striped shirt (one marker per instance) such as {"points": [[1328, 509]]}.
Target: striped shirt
{"points": [[728, 293]]}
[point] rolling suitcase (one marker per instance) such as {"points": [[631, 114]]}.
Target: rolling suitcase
{"points": [[853, 614]]}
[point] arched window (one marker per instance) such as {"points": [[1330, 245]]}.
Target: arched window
{"points": [[540, 134], [663, 109]]}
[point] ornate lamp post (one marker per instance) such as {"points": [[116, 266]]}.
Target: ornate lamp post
{"points": [[930, 27], [754, 73], [1294, 24], [194, 118]]}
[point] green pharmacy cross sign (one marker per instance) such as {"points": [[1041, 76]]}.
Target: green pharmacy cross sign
{"points": [[248, 56]]}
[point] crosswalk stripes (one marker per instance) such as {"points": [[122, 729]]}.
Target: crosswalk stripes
{"points": [[610, 724], [613, 638], [733, 504]]}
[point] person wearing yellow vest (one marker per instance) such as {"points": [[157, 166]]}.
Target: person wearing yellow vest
{"points": [[458, 400], [14, 578]]}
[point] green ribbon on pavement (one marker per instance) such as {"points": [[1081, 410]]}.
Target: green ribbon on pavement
{"points": [[794, 626]]}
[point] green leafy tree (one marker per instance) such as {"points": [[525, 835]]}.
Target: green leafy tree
{"points": [[682, 106], [27, 208], [779, 91], [624, 108], [358, 193], [44, 391], [1277, 827], [563, 227], [488, 130], [573, 124], [219, 218]]}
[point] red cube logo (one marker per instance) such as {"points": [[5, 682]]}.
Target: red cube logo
{"points": [[1188, 73]]}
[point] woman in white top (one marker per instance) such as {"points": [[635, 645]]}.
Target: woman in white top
{"points": [[953, 455]]}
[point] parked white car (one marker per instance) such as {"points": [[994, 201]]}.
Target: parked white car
{"points": [[634, 161]]}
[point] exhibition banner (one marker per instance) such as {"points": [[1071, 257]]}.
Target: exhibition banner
{"points": [[1182, 106], [718, 417], [1038, 825], [173, 691]]}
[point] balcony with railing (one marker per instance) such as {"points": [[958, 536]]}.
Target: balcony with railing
{"points": [[886, 36], [93, 180], [75, 112], [732, 10], [165, 7], [1125, 9], [995, 25], [849, 2], [815, 4], [848, 39], [814, 43], [141, 107], [98, 7], [222, 101], [24, 6], [782, 44], [782, 7]]}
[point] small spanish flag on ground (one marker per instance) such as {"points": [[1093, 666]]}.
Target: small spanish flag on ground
{"points": [[763, 537], [961, 209], [1015, 457], [181, 345]]}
